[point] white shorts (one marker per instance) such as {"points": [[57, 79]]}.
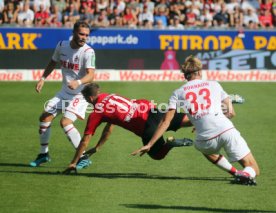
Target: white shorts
{"points": [[233, 143], [63, 102]]}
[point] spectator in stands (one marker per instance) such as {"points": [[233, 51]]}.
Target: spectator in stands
{"points": [[274, 12], [46, 5], [144, 13], [1, 16], [55, 19], [232, 5], [161, 16], [135, 6], [121, 5], [250, 16], [71, 15], [265, 18], [25, 15], [59, 5], [245, 6], [1, 6], [150, 4], [111, 16], [236, 18], [206, 17], [176, 25], [10, 14], [102, 4], [252, 25], [101, 20], [265, 5], [129, 18], [191, 18], [145, 18], [87, 14], [159, 24], [222, 18], [162, 6], [42, 17], [176, 12], [88, 3]]}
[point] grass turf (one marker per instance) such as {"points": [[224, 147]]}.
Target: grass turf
{"points": [[118, 182]]}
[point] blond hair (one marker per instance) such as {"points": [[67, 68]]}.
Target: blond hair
{"points": [[191, 65]]}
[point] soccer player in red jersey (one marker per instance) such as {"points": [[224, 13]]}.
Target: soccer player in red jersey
{"points": [[138, 116]]}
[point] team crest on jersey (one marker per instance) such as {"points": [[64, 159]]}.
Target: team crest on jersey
{"points": [[76, 59]]}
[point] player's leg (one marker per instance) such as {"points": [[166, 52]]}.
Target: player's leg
{"points": [[76, 109], [45, 120], [249, 163], [67, 123], [210, 149], [237, 150], [221, 162]]}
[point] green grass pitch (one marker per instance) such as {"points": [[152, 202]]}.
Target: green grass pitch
{"points": [[118, 182]]}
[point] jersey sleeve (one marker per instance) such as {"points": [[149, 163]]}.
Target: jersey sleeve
{"points": [[56, 54], [223, 94], [173, 100], [89, 58], [94, 120]]}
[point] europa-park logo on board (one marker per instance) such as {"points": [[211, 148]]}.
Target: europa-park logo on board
{"points": [[19, 41], [217, 42]]}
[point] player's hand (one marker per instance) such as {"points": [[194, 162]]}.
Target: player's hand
{"points": [[69, 170], [39, 85], [142, 150], [73, 84]]}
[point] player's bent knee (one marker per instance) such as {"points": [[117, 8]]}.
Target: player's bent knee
{"points": [[65, 122], [46, 117]]}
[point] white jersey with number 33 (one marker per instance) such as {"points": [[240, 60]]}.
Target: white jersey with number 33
{"points": [[201, 100]]}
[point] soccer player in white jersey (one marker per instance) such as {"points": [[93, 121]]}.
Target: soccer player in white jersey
{"points": [[202, 101], [77, 61]]}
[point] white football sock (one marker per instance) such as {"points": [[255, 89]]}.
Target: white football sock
{"points": [[73, 135], [224, 164], [44, 135], [250, 171]]}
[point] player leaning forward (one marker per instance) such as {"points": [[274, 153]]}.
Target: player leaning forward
{"points": [[77, 61], [202, 101]]}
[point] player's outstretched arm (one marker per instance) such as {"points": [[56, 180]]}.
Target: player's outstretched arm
{"points": [[50, 67], [104, 137], [88, 78], [162, 127]]}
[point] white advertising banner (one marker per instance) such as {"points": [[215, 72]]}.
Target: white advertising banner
{"points": [[144, 75]]}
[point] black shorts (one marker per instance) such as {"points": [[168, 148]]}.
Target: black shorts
{"points": [[152, 124]]}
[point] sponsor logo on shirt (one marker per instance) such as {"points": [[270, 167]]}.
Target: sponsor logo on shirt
{"points": [[68, 65]]}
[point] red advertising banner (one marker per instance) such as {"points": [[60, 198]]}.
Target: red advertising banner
{"points": [[145, 75]]}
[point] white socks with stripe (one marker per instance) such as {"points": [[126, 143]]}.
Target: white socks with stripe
{"points": [[224, 164], [44, 135], [73, 135], [250, 171]]}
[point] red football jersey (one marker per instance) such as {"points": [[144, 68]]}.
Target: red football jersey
{"points": [[115, 109]]}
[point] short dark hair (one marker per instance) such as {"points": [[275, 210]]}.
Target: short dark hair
{"points": [[79, 24], [90, 90]]}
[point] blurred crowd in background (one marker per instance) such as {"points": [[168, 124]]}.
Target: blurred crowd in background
{"points": [[141, 14]]}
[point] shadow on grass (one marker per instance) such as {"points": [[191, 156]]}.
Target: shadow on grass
{"points": [[26, 165], [191, 208], [122, 175], [14, 164]]}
